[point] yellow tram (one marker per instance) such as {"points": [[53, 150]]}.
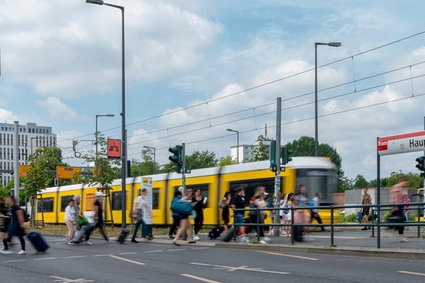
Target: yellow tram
{"points": [[316, 173]]}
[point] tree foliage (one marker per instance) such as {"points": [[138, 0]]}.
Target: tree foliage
{"points": [[224, 161], [260, 150], [415, 181], [43, 164], [197, 160], [360, 182], [147, 167]]}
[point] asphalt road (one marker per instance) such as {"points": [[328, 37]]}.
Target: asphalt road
{"points": [[153, 262]]}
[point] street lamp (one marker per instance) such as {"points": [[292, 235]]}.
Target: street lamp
{"points": [[154, 156], [316, 122], [97, 134], [123, 130], [237, 143]]}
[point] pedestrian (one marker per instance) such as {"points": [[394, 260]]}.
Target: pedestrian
{"points": [[4, 219], [184, 221], [225, 205], [238, 202], [366, 199], [398, 194], [258, 202], [314, 213], [16, 226], [70, 220], [300, 200], [141, 208], [407, 201], [175, 215], [199, 203], [98, 219], [287, 214]]}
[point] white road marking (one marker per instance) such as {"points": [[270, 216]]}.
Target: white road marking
{"points": [[75, 256], [175, 250], [101, 255], [15, 260], [200, 278], [240, 268], [129, 253], [128, 260], [412, 273], [45, 258], [294, 256], [67, 280], [155, 251], [200, 248]]}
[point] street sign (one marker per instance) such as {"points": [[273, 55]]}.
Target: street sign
{"points": [[401, 143], [114, 148], [23, 169], [64, 172]]}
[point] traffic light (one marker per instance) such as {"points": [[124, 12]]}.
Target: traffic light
{"points": [[272, 156], [421, 164], [176, 158], [286, 155]]}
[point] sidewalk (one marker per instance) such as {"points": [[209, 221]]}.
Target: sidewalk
{"points": [[348, 242]]}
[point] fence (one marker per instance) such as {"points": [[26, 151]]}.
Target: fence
{"points": [[377, 211]]}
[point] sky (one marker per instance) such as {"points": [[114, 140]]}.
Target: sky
{"points": [[196, 68]]}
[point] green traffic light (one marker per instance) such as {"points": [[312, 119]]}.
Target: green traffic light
{"points": [[272, 156], [421, 163], [176, 158]]}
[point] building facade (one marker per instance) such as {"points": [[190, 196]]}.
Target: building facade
{"points": [[30, 137]]}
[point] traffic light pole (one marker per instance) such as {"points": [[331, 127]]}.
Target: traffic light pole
{"points": [[184, 166], [277, 173]]}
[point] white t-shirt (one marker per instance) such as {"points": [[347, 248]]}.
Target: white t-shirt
{"points": [[69, 213], [142, 203]]}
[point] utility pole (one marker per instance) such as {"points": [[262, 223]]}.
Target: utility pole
{"points": [[16, 161], [184, 166], [277, 175]]}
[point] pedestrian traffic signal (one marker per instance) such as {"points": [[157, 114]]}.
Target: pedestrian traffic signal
{"points": [[272, 156], [421, 164], [176, 158], [286, 155]]}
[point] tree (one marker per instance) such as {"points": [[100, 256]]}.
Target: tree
{"points": [[415, 181], [260, 150], [146, 167], [43, 164], [304, 146], [196, 160], [224, 161], [360, 182]]}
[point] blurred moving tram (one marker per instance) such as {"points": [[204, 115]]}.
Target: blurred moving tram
{"points": [[316, 173]]}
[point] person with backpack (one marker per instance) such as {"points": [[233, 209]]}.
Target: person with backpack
{"points": [[16, 227], [175, 215]]}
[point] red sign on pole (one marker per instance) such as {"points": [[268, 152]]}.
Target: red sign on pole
{"points": [[401, 143], [114, 148]]}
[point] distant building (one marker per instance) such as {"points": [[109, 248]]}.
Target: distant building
{"points": [[246, 152], [30, 138]]}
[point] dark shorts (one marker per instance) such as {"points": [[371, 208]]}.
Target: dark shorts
{"points": [[365, 211], [184, 216]]}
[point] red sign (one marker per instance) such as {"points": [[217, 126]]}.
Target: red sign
{"points": [[114, 148], [401, 143]]}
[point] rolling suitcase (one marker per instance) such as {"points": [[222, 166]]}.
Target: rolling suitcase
{"points": [[123, 235], [228, 237], [38, 242], [215, 232]]}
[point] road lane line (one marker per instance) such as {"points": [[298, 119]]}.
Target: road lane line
{"points": [[200, 248], [155, 251], [101, 255], [128, 260], [75, 256], [45, 258], [294, 256], [175, 250], [129, 253], [240, 268], [237, 268], [412, 273], [15, 260], [200, 278]]}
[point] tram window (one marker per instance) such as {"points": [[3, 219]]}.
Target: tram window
{"points": [[204, 189], [155, 198], [116, 201], [64, 202], [45, 205], [250, 185]]}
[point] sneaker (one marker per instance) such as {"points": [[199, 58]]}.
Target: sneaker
{"points": [[196, 238], [263, 242], [245, 239], [267, 239], [134, 241], [70, 242], [21, 252], [5, 251], [404, 240], [89, 243]]}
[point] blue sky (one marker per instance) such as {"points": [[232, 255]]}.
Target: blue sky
{"points": [[61, 66]]}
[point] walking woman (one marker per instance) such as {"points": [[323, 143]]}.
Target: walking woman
{"points": [[4, 219], [199, 203], [225, 205], [70, 219], [398, 193], [16, 227], [184, 221], [176, 216]]}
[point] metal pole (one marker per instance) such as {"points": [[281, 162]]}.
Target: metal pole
{"points": [[96, 134], [316, 118], [277, 174], [16, 161], [237, 144], [184, 166], [378, 196]]}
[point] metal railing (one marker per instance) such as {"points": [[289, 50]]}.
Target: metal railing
{"points": [[377, 211]]}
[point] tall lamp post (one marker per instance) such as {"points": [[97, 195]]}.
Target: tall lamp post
{"points": [[316, 120], [97, 134], [237, 143], [154, 156], [123, 130]]}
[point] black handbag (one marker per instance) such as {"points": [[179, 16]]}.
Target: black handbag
{"points": [[396, 218]]}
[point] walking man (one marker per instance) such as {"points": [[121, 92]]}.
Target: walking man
{"points": [[98, 218], [366, 199]]}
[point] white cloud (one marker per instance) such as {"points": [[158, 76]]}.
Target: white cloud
{"points": [[57, 109], [7, 117]]}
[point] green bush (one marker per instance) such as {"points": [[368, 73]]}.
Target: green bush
{"points": [[349, 218]]}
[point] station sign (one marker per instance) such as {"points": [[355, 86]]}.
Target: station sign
{"points": [[114, 148], [401, 143], [66, 172], [23, 169]]}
